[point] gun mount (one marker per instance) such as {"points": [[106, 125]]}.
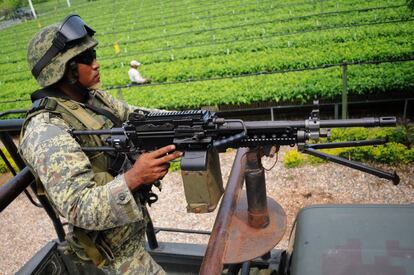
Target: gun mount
{"points": [[196, 132]]}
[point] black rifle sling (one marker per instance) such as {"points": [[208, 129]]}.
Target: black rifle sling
{"points": [[115, 120]]}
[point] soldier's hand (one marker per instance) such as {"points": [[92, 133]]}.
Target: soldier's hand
{"points": [[150, 167]]}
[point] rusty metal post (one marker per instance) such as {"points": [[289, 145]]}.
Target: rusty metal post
{"points": [[247, 225], [258, 215], [213, 259]]}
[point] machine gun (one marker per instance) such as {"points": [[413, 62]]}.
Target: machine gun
{"points": [[200, 134], [247, 226]]}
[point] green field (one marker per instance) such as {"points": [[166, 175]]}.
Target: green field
{"points": [[200, 53]]}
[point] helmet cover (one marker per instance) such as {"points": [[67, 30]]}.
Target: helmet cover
{"points": [[55, 69]]}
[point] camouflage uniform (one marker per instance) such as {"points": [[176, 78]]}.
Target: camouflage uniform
{"points": [[100, 208], [88, 198]]}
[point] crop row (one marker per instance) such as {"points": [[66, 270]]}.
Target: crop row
{"points": [[286, 87], [296, 87], [122, 14], [251, 16], [220, 45], [256, 35], [315, 52], [310, 49]]}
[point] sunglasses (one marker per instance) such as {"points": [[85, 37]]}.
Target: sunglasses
{"points": [[87, 57], [70, 33]]}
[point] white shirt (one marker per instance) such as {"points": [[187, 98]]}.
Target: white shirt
{"points": [[135, 76]]}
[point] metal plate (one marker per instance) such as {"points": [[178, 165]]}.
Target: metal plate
{"points": [[247, 243]]}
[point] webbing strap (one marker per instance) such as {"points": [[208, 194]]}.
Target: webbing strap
{"points": [[43, 103], [42, 99], [51, 52], [50, 104], [115, 120], [81, 114]]}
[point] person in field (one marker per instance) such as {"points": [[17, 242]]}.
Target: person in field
{"points": [[135, 76]]}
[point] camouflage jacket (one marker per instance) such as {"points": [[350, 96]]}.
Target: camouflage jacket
{"points": [[71, 182]]}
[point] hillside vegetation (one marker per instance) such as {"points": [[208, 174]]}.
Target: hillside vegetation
{"points": [[200, 53]]}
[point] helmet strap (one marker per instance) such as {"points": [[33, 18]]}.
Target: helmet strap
{"points": [[73, 73]]}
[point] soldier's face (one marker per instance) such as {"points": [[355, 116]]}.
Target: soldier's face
{"points": [[89, 74]]}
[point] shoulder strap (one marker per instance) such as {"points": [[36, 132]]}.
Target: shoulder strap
{"points": [[115, 120], [80, 113], [50, 104], [42, 100], [46, 103]]}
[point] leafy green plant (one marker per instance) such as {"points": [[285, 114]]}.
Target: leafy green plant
{"points": [[3, 166], [293, 159], [175, 166], [398, 150], [218, 41], [410, 4], [391, 153]]}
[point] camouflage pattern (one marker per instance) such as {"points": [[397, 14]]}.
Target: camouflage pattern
{"points": [[55, 70], [139, 263], [84, 194]]}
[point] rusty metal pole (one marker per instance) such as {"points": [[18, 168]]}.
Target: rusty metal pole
{"points": [[213, 258], [247, 225], [258, 215]]}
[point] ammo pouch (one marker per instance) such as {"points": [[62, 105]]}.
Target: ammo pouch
{"points": [[88, 246], [203, 183]]}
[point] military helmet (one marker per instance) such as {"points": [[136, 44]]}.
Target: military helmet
{"points": [[50, 49]]}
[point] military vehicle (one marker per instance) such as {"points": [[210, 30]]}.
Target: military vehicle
{"points": [[23, 13], [326, 239]]}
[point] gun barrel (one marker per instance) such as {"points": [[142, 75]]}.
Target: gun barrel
{"points": [[359, 122], [113, 131], [333, 123]]}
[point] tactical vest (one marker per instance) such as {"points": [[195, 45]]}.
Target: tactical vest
{"points": [[86, 244], [80, 117]]}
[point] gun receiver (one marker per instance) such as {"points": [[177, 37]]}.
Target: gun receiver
{"points": [[195, 131]]}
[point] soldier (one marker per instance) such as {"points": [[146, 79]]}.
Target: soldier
{"points": [[96, 192]]}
